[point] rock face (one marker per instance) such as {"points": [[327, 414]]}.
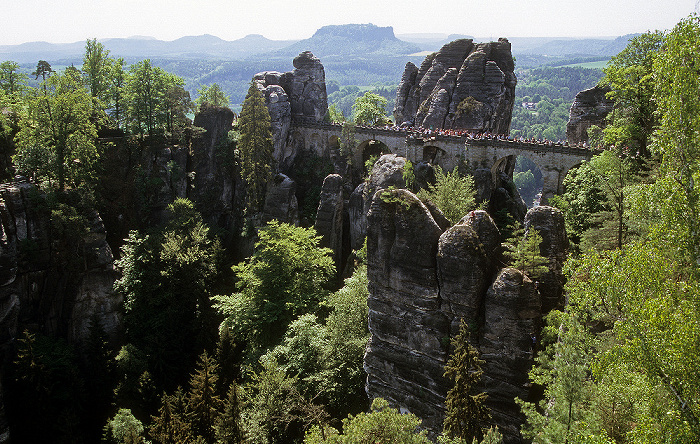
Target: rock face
{"points": [[281, 201], [549, 222], [386, 172], [215, 185], [424, 279], [300, 95], [330, 218], [512, 315], [463, 85], [50, 283], [590, 107], [406, 354]]}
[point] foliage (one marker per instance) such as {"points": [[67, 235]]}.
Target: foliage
{"points": [[286, 276], [255, 147], [229, 428], [97, 69], [56, 141], [124, 428], [522, 250], [678, 139], [44, 397], [327, 357], [172, 425], [409, 175], [630, 76], [270, 400], [582, 199], [157, 101], [204, 404], [452, 193], [368, 110], [466, 415], [381, 424], [552, 90], [165, 280], [12, 81], [211, 94]]}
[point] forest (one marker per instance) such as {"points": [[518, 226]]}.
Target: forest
{"points": [[268, 348]]}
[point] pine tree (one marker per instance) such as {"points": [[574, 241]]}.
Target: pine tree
{"points": [[171, 425], [467, 416], [203, 402], [255, 147], [523, 252], [228, 427]]}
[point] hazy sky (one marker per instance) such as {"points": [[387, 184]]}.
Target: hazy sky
{"points": [[64, 21]]}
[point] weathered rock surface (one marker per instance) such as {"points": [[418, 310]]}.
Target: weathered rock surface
{"points": [[272, 85], [466, 267], [549, 222], [463, 85], [423, 281], [281, 201], [329, 217], [512, 315], [299, 94], [405, 356], [386, 172], [590, 107], [48, 283], [214, 182]]}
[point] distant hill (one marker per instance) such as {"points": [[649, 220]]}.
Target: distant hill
{"points": [[193, 47], [352, 40]]}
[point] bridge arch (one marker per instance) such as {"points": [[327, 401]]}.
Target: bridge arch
{"points": [[434, 155], [372, 147]]}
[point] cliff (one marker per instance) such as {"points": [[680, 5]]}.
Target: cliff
{"points": [[590, 107], [424, 279], [463, 85]]}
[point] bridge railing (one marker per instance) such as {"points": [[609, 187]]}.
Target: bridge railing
{"points": [[424, 136]]}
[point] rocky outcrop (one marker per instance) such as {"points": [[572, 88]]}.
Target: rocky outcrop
{"points": [[466, 265], [464, 85], [281, 201], [424, 279], [590, 107], [406, 354], [214, 184], [274, 87], [53, 279], [53, 283], [549, 223], [300, 95], [330, 217], [387, 172], [512, 316]]}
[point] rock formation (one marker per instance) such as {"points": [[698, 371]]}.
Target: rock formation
{"points": [[300, 95], [463, 85], [386, 172], [281, 201], [424, 279], [590, 107], [330, 218]]}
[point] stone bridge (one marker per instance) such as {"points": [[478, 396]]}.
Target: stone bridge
{"points": [[553, 160]]}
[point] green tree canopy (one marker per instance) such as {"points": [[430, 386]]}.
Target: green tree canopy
{"points": [[287, 276], [57, 137], [630, 75], [211, 94], [453, 194], [369, 110]]}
